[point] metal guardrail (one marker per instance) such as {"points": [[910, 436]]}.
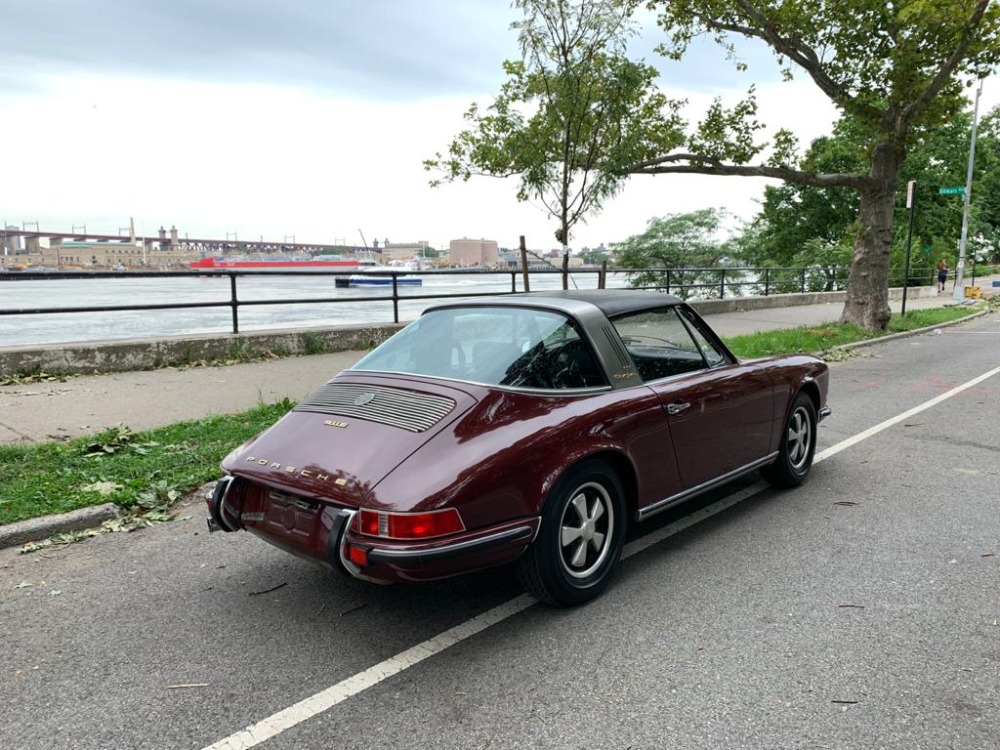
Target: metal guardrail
{"points": [[692, 283], [234, 302]]}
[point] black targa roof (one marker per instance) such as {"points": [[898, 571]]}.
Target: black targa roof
{"points": [[611, 302]]}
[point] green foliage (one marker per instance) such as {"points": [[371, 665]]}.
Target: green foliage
{"points": [[594, 257], [239, 351], [312, 343], [801, 225], [688, 241], [811, 339], [896, 71], [796, 220], [573, 116], [822, 340], [984, 230], [135, 470], [909, 60]]}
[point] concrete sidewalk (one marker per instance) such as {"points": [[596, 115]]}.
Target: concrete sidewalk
{"points": [[84, 405]]}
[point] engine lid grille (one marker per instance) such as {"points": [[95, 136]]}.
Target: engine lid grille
{"points": [[407, 410]]}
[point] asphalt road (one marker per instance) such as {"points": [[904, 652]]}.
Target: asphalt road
{"points": [[859, 611]]}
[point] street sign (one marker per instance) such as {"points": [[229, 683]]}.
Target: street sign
{"points": [[951, 191]]}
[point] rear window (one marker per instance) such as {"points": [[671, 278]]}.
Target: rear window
{"points": [[515, 347]]}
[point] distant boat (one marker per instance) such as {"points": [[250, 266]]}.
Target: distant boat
{"points": [[277, 264], [374, 275]]}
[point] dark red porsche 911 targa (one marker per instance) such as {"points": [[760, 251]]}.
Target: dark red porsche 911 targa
{"points": [[531, 428]]}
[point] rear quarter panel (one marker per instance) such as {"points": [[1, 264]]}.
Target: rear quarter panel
{"points": [[502, 458], [792, 374]]}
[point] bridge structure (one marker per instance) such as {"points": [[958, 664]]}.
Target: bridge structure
{"points": [[11, 239]]}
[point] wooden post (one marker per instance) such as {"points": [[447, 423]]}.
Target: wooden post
{"points": [[524, 265]]}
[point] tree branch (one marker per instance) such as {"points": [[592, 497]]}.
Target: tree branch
{"points": [[794, 49], [696, 164], [944, 74]]}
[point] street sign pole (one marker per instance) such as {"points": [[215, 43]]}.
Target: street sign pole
{"points": [[958, 293], [909, 236]]}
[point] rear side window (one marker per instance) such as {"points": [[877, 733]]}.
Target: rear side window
{"points": [[661, 345], [714, 356], [515, 347]]}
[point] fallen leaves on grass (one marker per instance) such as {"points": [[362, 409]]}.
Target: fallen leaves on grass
{"points": [[838, 355], [116, 439], [154, 506]]}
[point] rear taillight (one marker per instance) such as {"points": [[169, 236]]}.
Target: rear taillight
{"points": [[385, 525]]}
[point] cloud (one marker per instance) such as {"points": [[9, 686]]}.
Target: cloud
{"points": [[308, 118], [376, 49]]}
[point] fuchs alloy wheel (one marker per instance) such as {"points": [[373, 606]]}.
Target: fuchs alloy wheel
{"points": [[581, 537], [798, 444]]}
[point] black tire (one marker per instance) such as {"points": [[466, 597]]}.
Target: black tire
{"points": [[581, 537], [798, 444]]}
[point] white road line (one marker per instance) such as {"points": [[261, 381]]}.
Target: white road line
{"points": [[844, 444], [316, 704], [698, 516]]}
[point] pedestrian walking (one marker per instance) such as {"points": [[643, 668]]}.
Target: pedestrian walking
{"points": [[942, 274]]}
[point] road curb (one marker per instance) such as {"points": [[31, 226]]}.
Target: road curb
{"points": [[907, 334], [35, 529]]}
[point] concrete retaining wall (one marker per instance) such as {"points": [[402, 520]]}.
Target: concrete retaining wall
{"points": [[145, 354], [743, 304]]}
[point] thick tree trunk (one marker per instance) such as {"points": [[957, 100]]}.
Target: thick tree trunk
{"points": [[867, 302]]}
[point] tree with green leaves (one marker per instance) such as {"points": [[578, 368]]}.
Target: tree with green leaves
{"points": [[685, 246], [985, 224], [898, 70], [593, 256], [800, 225], [573, 115]]}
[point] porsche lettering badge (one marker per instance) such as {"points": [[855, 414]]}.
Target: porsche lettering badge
{"points": [[277, 466]]}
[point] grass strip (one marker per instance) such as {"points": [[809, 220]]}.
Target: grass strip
{"points": [[122, 466], [822, 338]]}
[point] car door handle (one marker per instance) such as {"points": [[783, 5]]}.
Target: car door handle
{"points": [[677, 407]]}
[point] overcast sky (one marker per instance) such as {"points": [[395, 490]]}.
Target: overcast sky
{"points": [[304, 118]]}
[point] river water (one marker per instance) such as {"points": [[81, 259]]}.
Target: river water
{"points": [[45, 329]]}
